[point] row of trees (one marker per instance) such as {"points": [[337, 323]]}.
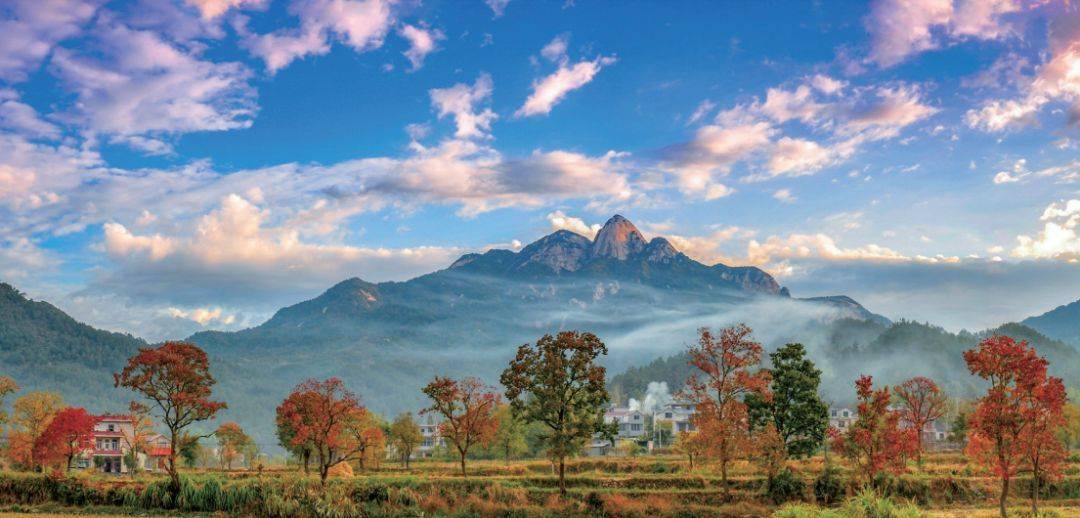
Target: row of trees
{"points": [[743, 409], [557, 386]]}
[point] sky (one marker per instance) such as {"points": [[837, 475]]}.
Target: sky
{"points": [[169, 166]]}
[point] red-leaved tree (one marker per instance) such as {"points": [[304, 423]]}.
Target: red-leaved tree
{"points": [[1013, 429], [323, 415], [875, 442], [467, 408], [726, 376], [69, 434], [921, 403], [176, 379]]}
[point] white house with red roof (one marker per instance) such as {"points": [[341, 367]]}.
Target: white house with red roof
{"points": [[112, 442]]}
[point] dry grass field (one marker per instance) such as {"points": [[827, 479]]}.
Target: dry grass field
{"points": [[946, 486]]}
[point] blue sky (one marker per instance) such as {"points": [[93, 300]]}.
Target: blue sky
{"points": [[169, 166]]}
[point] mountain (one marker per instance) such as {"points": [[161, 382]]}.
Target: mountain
{"points": [[644, 298], [43, 348], [1062, 323]]}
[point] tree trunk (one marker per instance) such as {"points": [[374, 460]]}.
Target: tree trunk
{"points": [[1004, 495], [562, 475], [174, 475], [323, 472], [691, 457], [306, 457], [723, 473], [463, 474], [1035, 491]]}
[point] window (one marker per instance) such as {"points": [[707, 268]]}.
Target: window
{"points": [[667, 415], [111, 428]]}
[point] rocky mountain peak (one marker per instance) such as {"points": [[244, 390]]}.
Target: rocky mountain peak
{"points": [[618, 239]]}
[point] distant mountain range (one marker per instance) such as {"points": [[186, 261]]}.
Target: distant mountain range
{"points": [[645, 299]]}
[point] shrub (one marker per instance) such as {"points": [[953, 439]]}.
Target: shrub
{"points": [[829, 487], [785, 486]]}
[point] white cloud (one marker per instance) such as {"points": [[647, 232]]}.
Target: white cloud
{"points": [[360, 24], [1066, 173], [238, 242], [203, 316], [461, 102], [551, 90], [828, 85], [900, 29], [1057, 80], [30, 29], [1058, 238], [555, 50], [784, 195], [421, 43], [817, 246], [798, 157], [783, 105], [23, 118], [137, 84], [497, 6], [210, 9], [21, 258], [703, 109], [560, 221]]}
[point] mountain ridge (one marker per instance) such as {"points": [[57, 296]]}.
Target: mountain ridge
{"points": [[1062, 323]]}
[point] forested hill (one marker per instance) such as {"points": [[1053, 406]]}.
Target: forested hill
{"points": [[43, 348], [891, 353], [1062, 323]]}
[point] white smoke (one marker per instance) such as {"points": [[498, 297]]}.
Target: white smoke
{"points": [[657, 396]]}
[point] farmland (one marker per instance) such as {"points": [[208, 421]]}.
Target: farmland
{"points": [[653, 485]]}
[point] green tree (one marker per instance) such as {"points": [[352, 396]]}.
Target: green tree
{"points": [[510, 435], [796, 408], [557, 382], [405, 436]]}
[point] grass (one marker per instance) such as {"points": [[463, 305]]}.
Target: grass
{"points": [[616, 487]]}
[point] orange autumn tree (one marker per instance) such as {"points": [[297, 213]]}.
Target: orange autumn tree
{"points": [[467, 408], [70, 433], [323, 415], [370, 438], [875, 442], [725, 378], [231, 441], [176, 378], [921, 403], [30, 416], [1014, 426]]}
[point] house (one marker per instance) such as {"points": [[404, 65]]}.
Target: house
{"points": [[429, 430], [675, 417], [631, 422], [112, 435], [842, 418]]}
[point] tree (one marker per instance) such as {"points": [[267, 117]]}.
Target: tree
{"points": [[176, 378], [68, 434], [323, 414], [301, 451], [405, 436], [724, 363], [467, 409], [510, 434], [138, 438], [30, 416], [921, 403], [190, 450], [692, 444], [770, 451], [796, 408], [231, 442], [370, 439], [875, 442], [558, 383], [7, 387], [1016, 421]]}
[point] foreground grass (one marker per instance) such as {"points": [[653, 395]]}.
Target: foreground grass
{"points": [[644, 486]]}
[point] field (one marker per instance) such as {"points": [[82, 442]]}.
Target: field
{"points": [[640, 486]]}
